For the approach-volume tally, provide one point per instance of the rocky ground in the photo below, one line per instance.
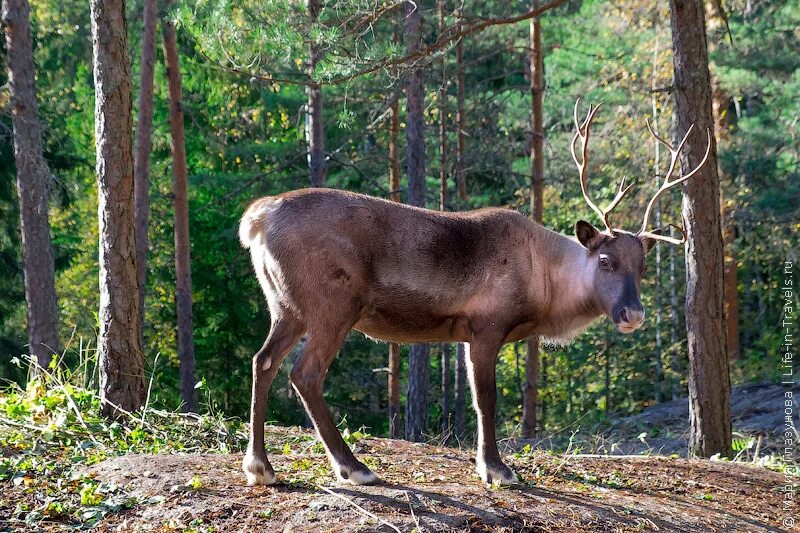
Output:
(427, 488)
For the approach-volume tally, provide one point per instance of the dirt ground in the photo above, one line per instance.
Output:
(429, 488)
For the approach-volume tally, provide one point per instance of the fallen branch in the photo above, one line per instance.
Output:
(354, 504)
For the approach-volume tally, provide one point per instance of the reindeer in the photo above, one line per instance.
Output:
(330, 261)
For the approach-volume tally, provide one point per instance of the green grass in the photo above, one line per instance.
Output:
(51, 430)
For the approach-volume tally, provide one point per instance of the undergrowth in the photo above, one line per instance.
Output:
(51, 429)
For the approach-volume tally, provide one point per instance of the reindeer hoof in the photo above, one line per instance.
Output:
(357, 476)
(257, 471)
(497, 474)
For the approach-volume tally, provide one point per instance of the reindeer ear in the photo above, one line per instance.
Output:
(649, 242)
(587, 235)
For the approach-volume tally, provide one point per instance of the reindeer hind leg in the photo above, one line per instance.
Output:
(284, 334)
(307, 377)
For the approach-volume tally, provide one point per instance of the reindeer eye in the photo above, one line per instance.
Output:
(604, 262)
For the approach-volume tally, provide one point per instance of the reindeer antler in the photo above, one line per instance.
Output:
(667, 183)
(582, 132)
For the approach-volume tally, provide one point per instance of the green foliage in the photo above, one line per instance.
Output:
(50, 431)
(244, 138)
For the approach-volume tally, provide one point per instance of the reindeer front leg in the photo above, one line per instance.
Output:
(481, 361)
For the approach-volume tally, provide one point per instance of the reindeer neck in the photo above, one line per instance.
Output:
(563, 292)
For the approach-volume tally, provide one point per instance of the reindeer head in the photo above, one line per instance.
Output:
(616, 256)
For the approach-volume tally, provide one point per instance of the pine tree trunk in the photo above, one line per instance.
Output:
(315, 136)
(183, 267)
(709, 380)
(144, 145)
(531, 389)
(120, 358)
(722, 125)
(33, 176)
(442, 96)
(659, 368)
(460, 390)
(395, 423)
(446, 394)
(419, 355)
(461, 185)
(731, 281)
(674, 323)
(461, 178)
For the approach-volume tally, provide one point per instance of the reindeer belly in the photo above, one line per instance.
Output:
(398, 315)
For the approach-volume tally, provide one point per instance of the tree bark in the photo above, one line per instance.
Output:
(461, 179)
(395, 423)
(442, 119)
(315, 136)
(144, 145)
(33, 176)
(460, 389)
(659, 368)
(531, 389)
(709, 380)
(446, 393)
(119, 347)
(183, 266)
(419, 355)
(722, 125)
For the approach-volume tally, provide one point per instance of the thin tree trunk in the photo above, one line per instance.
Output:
(144, 145)
(446, 352)
(659, 368)
(460, 390)
(731, 291)
(709, 380)
(33, 176)
(674, 325)
(531, 391)
(395, 424)
(315, 136)
(722, 125)
(446, 393)
(183, 268)
(542, 401)
(461, 178)
(607, 378)
(120, 358)
(419, 355)
(442, 119)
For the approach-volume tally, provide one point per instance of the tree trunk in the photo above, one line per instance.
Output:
(33, 176)
(446, 394)
(183, 268)
(460, 389)
(419, 355)
(731, 291)
(659, 368)
(315, 136)
(531, 390)
(674, 324)
(442, 119)
(395, 425)
(144, 145)
(722, 125)
(118, 345)
(709, 380)
(461, 178)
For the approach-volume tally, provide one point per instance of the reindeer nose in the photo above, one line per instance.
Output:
(632, 315)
